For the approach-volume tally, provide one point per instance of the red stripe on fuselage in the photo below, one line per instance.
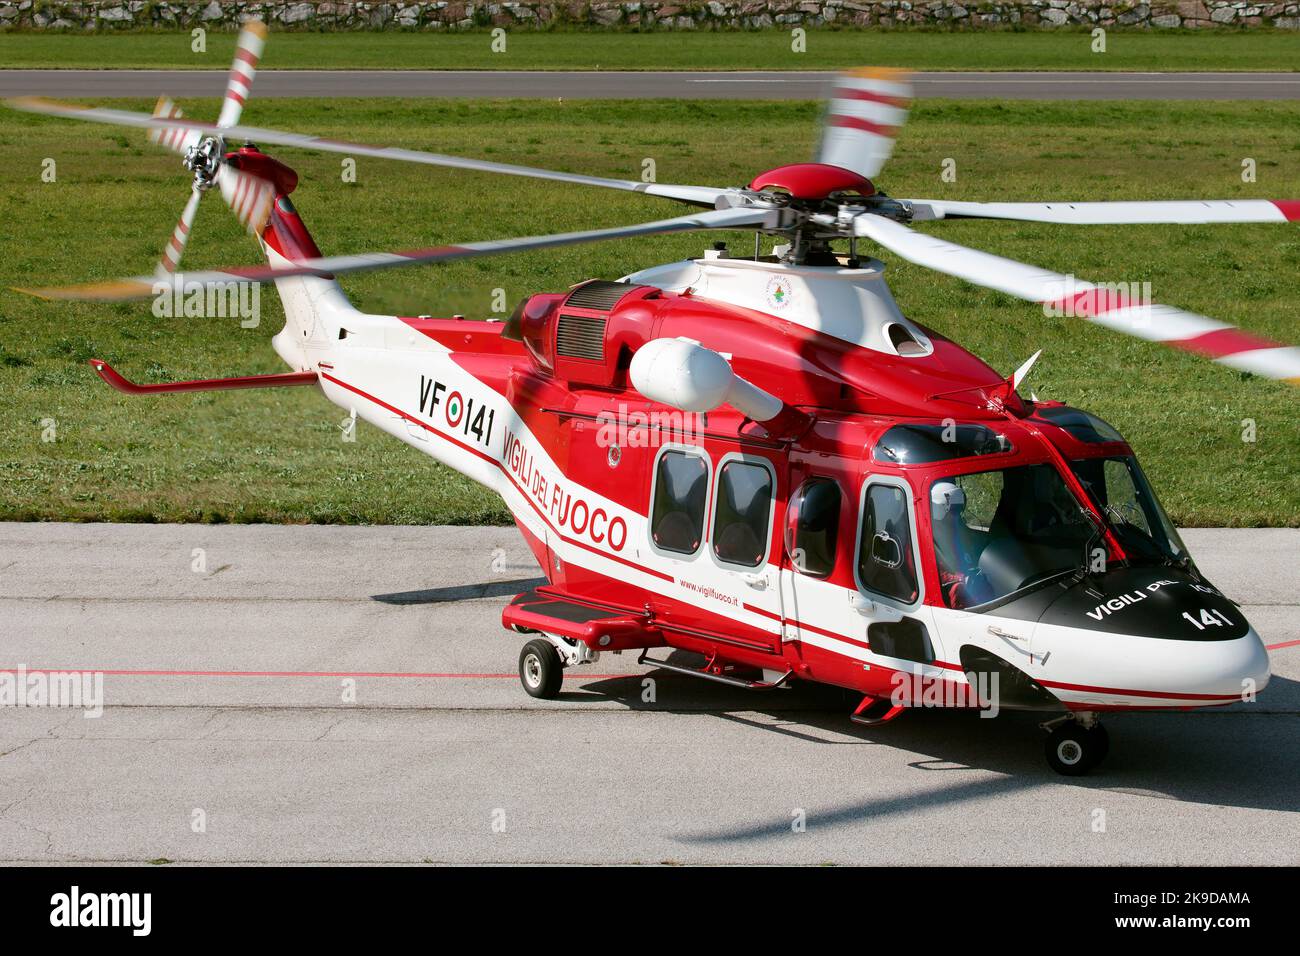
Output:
(1169, 695)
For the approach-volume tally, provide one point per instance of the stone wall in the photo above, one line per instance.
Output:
(650, 14)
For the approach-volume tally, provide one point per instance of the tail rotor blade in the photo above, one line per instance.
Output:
(248, 53)
(867, 109)
(174, 138)
(175, 248)
(1219, 341)
(249, 197)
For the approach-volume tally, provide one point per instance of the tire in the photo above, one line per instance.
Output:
(1072, 750)
(540, 670)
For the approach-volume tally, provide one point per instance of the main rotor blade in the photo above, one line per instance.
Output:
(248, 53)
(142, 287)
(1105, 305)
(867, 108)
(696, 195)
(1181, 212)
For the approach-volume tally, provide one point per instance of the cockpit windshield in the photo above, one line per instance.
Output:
(1121, 492)
(999, 532)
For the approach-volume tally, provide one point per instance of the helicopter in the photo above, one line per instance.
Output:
(760, 460)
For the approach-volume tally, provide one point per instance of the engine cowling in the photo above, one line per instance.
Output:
(577, 336)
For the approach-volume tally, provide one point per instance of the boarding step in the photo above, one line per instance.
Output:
(874, 711)
(601, 628)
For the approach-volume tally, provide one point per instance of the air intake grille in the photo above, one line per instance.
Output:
(580, 336)
(598, 294)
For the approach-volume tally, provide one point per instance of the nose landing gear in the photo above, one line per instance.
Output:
(1075, 743)
(541, 670)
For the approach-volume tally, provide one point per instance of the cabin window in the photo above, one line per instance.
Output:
(812, 526)
(920, 443)
(886, 564)
(1081, 425)
(680, 496)
(742, 514)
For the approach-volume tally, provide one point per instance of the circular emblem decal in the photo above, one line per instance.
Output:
(455, 409)
(778, 292)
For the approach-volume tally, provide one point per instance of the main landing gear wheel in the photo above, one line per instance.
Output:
(540, 669)
(1073, 750)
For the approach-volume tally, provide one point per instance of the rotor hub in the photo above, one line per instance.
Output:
(203, 159)
(814, 182)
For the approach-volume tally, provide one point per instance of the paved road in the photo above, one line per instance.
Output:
(224, 684)
(673, 85)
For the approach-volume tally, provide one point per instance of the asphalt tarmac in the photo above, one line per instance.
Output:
(646, 85)
(322, 694)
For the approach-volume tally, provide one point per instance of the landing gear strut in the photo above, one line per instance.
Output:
(1075, 744)
(543, 660)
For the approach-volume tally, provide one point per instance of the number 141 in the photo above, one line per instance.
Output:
(1208, 618)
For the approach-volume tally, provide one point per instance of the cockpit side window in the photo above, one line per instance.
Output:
(886, 564)
(999, 532)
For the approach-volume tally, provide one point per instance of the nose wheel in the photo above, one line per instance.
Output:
(540, 669)
(1074, 747)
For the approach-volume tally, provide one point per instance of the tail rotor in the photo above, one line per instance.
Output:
(248, 196)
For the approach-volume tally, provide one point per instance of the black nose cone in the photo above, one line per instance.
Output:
(1157, 602)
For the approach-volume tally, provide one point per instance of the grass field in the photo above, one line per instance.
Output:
(1141, 50)
(278, 455)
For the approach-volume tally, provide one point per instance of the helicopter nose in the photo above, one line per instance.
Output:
(1147, 671)
(1222, 669)
(1174, 640)
(1257, 669)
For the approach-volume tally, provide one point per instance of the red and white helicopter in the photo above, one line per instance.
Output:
(762, 460)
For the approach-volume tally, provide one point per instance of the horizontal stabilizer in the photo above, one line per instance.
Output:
(107, 373)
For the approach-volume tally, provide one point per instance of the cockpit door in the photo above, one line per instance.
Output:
(816, 533)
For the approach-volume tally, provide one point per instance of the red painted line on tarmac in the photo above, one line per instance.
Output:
(132, 672)
(1278, 647)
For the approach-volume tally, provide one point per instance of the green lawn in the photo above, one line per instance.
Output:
(751, 50)
(277, 455)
